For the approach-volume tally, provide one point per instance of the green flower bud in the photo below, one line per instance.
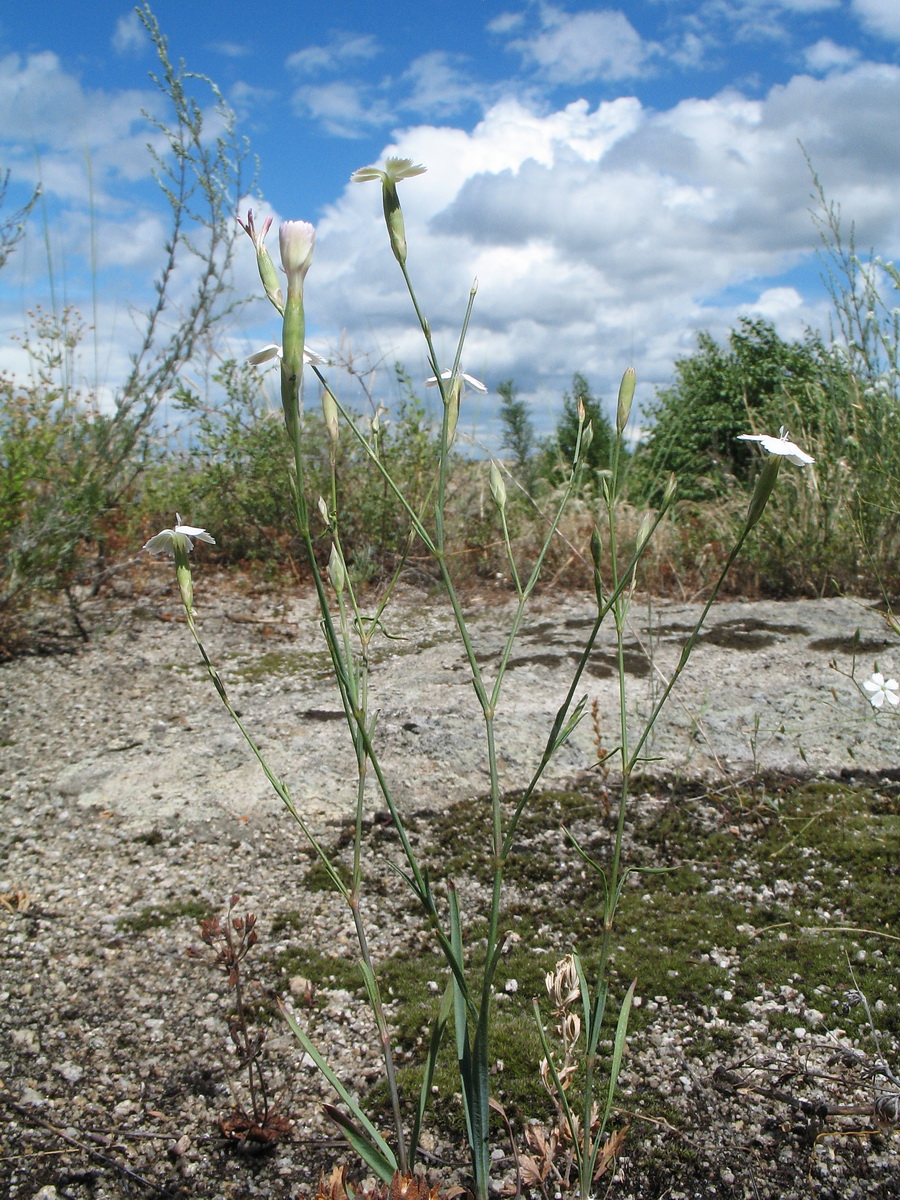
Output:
(336, 571)
(329, 408)
(596, 555)
(454, 392)
(626, 396)
(266, 267)
(763, 489)
(498, 487)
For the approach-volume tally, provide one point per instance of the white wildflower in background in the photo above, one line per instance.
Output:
(468, 381)
(780, 445)
(165, 541)
(881, 689)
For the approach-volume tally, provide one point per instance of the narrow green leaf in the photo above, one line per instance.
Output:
(619, 1048)
(367, 1152)
(378, 1144)
(437, 1035)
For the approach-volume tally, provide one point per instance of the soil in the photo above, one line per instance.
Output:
(127, 791)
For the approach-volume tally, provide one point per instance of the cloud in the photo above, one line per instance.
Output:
(826, 55)
(578, 47)
(719, 22)
(344, 108)
(606, 234)
(809, 6)
(229, 49)
(440, 86)
(44, 110)
(343, 48)
(436, 86)
(880, 16)
(130, 36)
(505, 22)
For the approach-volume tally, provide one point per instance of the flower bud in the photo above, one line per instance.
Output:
(596, 555)
(587, 437)
(266, 267)
(644, 532)
(297, 240)
(336, 571)
(626, 396)
(763, 490)
(498, 487)
(596, 548)
(329, 408)
(452, 401)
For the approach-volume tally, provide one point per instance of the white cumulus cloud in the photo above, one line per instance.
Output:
(577, 47)
(880, 16)
(606, 236)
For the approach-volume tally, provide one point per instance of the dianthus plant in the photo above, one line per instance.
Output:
(350, 630)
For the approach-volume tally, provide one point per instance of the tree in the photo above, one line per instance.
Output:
(518, 432)
(560, 451)
(717, 392)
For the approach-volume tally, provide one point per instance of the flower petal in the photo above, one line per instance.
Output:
(265, 355)
(475, 384)
(161, 543)
(779, 445)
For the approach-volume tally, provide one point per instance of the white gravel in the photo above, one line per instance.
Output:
(125, 787)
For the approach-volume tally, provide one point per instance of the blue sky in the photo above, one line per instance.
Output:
(617, 178)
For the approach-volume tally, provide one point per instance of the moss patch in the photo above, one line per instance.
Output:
(159, 916)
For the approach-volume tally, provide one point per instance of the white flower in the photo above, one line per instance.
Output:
(297, 240)
(395, 169)
(310, 359)
(468, 380)
(165, 542)
(780, 445)
(881, 689)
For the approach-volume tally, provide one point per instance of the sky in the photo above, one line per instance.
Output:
(616, 178)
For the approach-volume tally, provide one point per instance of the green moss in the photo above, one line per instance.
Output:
(322, 970)
(159, 916)
(739, 914)
(317, 878)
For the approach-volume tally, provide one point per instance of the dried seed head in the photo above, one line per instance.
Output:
(563, 983)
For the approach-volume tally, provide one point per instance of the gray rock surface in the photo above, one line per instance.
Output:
(132, 724)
